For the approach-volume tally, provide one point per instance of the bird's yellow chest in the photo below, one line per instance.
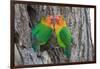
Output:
(59, 27)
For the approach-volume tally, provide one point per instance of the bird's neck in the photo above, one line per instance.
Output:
(59, 28)
(46, 23)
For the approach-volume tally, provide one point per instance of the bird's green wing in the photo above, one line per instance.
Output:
(41, 33)
(65, 36)
(36, 29)
(44, 33)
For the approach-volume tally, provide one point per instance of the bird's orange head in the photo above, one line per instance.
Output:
(48, 21)
(60, 22)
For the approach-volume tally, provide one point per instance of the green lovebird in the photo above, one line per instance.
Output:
(63, 34)
(41, 32)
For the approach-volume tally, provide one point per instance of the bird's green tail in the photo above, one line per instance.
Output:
(67, 52)
(35, 47)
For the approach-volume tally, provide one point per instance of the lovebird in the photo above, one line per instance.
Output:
(42, 32)
(63, 34)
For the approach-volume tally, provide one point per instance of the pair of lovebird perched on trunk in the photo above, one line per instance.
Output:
(42, 32)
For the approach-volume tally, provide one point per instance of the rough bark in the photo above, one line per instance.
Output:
(78, 19)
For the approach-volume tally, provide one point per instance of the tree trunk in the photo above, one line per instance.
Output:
(78, 19)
